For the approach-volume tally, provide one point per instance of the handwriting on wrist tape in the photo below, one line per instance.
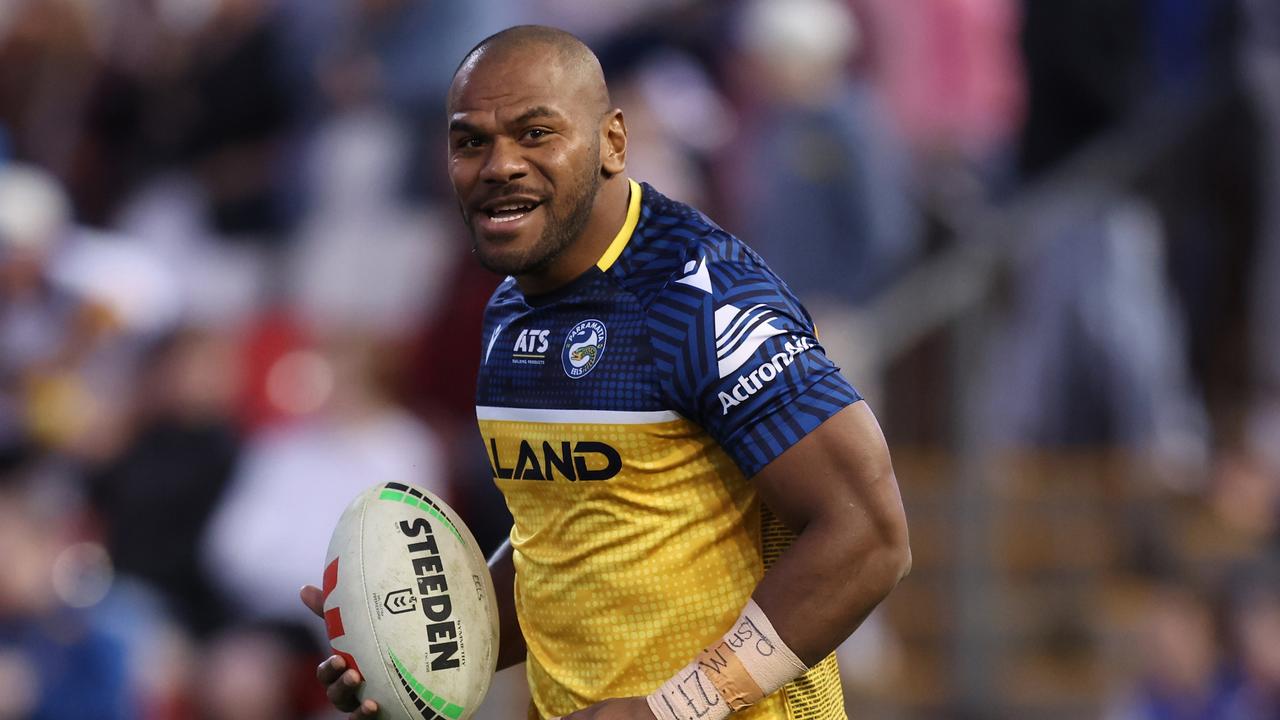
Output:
(720, 667)
(724, 667)
(718, 681)
(746, 631)
(694, 691)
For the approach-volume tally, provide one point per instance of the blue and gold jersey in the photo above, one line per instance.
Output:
(623, 415)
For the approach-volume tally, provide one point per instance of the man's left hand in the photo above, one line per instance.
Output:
(632, 708)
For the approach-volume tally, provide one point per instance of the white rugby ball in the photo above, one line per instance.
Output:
(408, 601)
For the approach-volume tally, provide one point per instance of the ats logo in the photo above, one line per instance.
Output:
(580, 461)
(531, 347)
(583, 348)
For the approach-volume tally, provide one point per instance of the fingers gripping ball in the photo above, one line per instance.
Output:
(408, 602)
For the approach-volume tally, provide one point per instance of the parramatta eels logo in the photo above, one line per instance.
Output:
(583, 348)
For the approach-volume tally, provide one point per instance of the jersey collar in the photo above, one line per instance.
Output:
(620, 240)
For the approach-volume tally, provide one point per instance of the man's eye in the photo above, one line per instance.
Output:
(470, 143)
(536, 133)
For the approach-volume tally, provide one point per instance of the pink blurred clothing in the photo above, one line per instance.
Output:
(950, 70)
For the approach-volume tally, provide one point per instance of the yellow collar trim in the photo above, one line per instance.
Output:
(620, 240)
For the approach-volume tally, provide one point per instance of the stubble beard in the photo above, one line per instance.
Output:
(558, 233)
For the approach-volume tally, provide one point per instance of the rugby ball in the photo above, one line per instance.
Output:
(408, 601)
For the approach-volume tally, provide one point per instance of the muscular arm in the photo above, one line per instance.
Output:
(511, 649)
(836, 489)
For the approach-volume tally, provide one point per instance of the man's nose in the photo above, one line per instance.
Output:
(505, 163)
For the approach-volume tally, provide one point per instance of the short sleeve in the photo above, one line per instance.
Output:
(738, 354)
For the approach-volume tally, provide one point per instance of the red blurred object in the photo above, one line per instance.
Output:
(440, 366)
(275, 335)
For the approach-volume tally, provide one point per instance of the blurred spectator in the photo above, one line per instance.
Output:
(42, 325)
(409, 50)
(360, 228)
(55, 664)
(155, 498)
(434, 377)
(345, 436)
(57, 44)
(1188, 42)
(1183, 676)
(1084, 72)
(950, 71)
(223, 284)
(604, 18)
(1262, 68)
(676, 121)
(266, 672)
(824, 194)
(418, 45)
(1256, 626)
(818, 182)
(1091, 351)
(73, 302)
(237, 115)
(196, 85)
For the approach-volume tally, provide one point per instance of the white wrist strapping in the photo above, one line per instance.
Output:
(747, 664)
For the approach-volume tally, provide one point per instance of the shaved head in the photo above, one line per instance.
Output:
(536, 154)
(546, 46)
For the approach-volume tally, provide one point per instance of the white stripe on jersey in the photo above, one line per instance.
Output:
(496, 332)
(583, 417)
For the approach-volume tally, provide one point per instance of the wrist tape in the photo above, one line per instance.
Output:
(739, 670)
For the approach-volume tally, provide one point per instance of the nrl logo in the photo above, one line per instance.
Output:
(400, 601)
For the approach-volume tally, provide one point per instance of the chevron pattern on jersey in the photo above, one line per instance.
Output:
(733, 383)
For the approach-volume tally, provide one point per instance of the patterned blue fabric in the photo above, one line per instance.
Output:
(693, 322)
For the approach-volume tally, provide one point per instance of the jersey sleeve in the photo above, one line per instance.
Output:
(739, 355)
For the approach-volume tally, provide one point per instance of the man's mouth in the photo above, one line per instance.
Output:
(509, 212)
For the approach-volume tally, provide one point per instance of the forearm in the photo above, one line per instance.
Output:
(834, 574)
(511, 649)
(836, 490)
(815, 596)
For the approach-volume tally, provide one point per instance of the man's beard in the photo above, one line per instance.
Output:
(558, 232)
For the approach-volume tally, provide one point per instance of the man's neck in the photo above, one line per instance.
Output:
(608, 214)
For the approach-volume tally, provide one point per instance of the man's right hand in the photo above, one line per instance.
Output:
(340, 682)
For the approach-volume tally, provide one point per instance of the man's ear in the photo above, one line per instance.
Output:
(613, 146)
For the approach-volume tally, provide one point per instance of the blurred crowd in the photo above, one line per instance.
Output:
(234, 289)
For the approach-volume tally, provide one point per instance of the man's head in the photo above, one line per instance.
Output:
(532, 137)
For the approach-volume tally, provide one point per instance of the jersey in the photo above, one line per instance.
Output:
(624, 414)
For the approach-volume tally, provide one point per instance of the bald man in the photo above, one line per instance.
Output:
(704, 508)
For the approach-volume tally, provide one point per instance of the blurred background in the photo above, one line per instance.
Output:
(1041, 236)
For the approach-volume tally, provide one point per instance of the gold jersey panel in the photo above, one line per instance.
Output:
(637, 542)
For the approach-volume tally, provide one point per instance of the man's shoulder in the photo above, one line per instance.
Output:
(677, 248)
(506, 298)
(506, 292)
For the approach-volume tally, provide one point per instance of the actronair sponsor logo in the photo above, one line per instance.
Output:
(739, 333)
(753, 382)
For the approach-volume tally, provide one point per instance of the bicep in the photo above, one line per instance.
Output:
(841, 471)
